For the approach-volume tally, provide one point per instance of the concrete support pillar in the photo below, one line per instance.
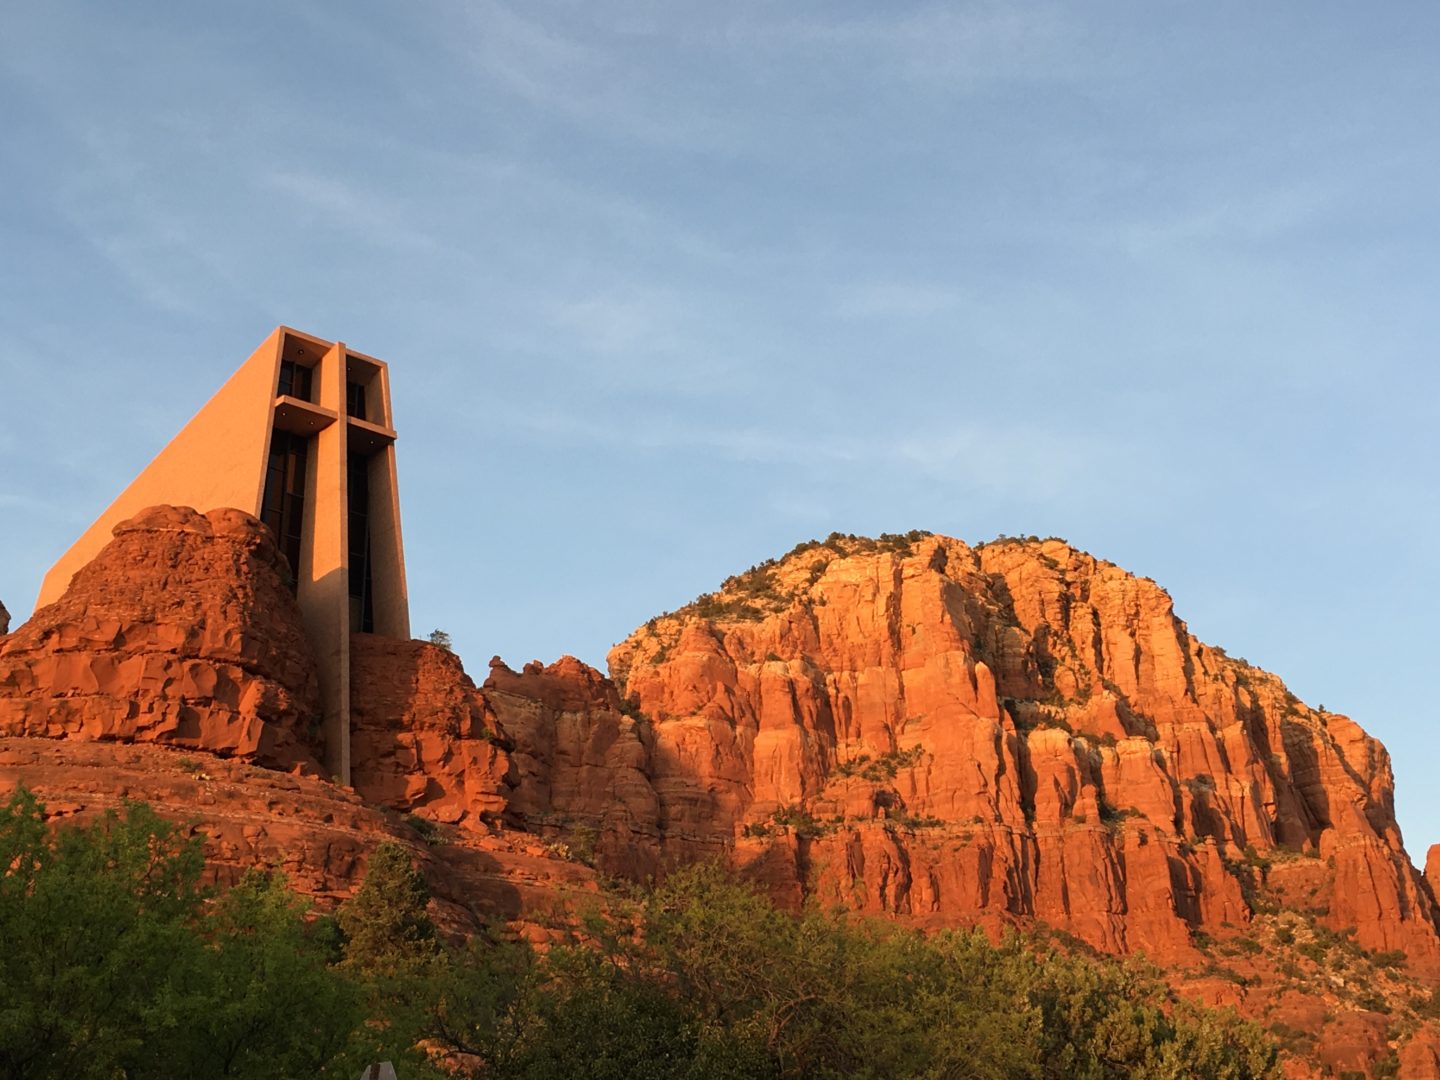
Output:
(324, 586)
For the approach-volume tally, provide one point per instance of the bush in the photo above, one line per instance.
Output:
(117, 965)
(886, 767)
(386, 923)
(425, 829)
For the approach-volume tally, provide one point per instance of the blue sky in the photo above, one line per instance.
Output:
(668, 287)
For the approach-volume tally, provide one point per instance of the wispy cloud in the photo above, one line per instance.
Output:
(586, 82)
(636, 335)
(117, 198)
(1254, 216)
(620, 325)
(1012, 459)
(888, 299)
(10, 500)
(368, 213)
(942, 44)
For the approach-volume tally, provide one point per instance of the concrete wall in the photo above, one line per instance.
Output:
(217, 459)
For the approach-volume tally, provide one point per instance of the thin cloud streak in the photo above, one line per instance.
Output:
(1014, 459)
(586, 83)
(943, 46)
(376, 218)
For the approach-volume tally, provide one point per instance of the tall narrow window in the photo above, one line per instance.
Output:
(283, 506)
(295, 380)
(362, 585)
(355, 400)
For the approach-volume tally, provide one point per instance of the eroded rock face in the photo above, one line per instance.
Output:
(545, 750)
(181, 631)
(4, 621)
(1420, 1057)
(420, 739)
(953, 734)
(581, 767)
(939, 733)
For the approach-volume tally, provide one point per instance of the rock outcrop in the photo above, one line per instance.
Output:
(1010, 734)
(1420, 1057)
(420, 738)
(581, 766)
(4, 621)
(175, 671)
(182, 632)
(315, 833)
(1018, 730)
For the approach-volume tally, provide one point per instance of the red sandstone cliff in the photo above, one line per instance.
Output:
(943, 734)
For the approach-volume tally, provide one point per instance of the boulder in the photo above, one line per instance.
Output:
(181, 631)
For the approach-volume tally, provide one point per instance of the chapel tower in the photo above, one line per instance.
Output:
(302, 436)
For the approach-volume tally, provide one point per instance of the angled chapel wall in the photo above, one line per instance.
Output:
(221, 459)
(217, 459)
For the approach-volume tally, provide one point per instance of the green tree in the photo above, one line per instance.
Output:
(1103, 1019)
(97, 925)
(387, 923)
(116, 964)
(828, 999)
(263, 1000)
(393, 952)
(589, 1018)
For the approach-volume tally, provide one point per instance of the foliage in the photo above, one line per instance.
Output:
(386, 923)
(713, 606)
(798, 819)
(425, 829)
(1114, 816)
(706, 978)
(118, 965)
(886, 767)
(630, 706)
(442, 639)
(263, 1000)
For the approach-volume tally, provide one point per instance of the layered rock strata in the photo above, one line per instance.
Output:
(421, 735)
(581, 766)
